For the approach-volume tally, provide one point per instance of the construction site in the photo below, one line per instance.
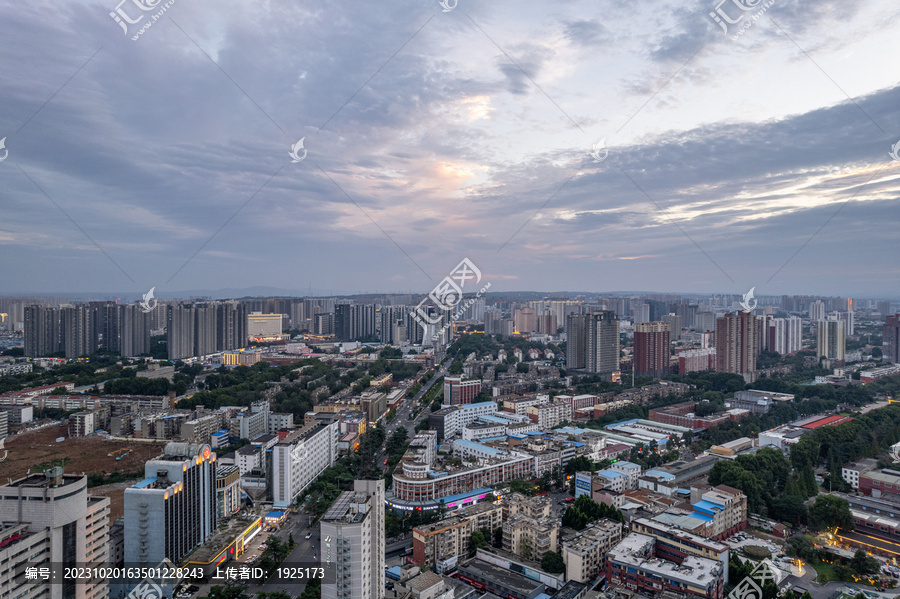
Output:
(119, 462)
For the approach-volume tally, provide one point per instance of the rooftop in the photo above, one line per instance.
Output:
(636, 551)
(506, 578)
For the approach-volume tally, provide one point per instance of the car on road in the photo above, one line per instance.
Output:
(308, 535)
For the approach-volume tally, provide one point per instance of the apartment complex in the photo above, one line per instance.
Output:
(651, 348)
(301, 457)
(438, 544)
(584, 554)
(352, 542)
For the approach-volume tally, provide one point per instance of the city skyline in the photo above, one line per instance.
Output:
(624, 144)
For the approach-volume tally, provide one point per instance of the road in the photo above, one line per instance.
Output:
(403, 412)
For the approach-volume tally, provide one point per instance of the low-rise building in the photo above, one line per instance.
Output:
(228, 491)
(531, 538)
(549, 415)
(758, 402)
(635, 563)
(584, 553)
(850, 473)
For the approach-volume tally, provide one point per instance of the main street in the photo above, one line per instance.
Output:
(401, 418)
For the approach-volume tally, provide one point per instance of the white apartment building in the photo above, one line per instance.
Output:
(546, 416)
(352, 542)
(631, 470)
(301, 457)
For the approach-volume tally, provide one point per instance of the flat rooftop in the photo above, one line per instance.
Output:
(44, 482)
(510, 580)
(636, 551)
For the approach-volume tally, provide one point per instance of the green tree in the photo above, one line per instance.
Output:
(829, 511)
(477, 541)
(553, 563)
(863, 564)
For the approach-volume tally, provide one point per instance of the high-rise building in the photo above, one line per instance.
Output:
(180, 331)
(231, 326)
(526, 320)
(352, 542)
(354, 321)
(831, 341)
(49, 518)
(576, 341)
(891, 338)
(324, 324)
(490, 322)
(786, 335)
(173, 509)
(640, 312)
(393, 324)
(735, 343)
(41, 331)
(602, 342)
(817, 310)
(651, 348)
(884, 308)
(301, 457)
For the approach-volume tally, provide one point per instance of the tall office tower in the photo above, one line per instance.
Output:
(675, 324)
(526, 320)
(831, 341)
(884, 308)
(49, 518)
(576, 341)
(342, 321)
(640, 312)
(602, 342)
(506, 327)
(688, 314)
(352, 542)
(173, 509)
(41, 331)
(490, 322)
(817, 310)
(735, 343)
(786, 335)
(891, 338)
(651, 348)
(231, 326)
(705, 321)
(78, 337)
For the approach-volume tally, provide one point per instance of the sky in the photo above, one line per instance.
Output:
(562, 145)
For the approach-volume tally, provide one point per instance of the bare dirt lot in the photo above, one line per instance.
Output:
(38, 450)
